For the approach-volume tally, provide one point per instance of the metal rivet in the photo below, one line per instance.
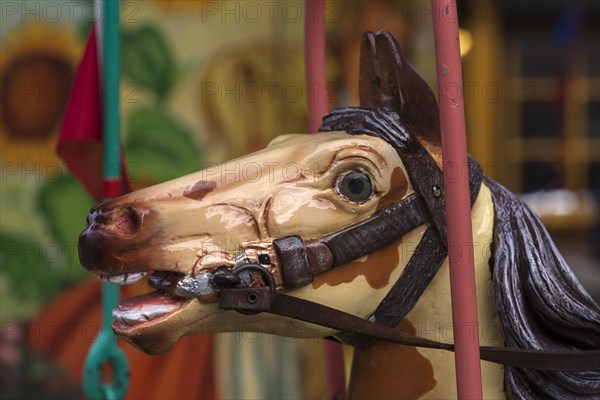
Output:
(264, 259)
(437, 191)
(252, 297)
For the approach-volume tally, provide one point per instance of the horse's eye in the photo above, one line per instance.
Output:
(356, 186)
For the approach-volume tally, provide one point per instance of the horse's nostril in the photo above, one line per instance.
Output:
(125, 221)
(121, 221)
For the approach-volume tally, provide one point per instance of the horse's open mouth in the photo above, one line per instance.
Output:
(174, 292)
(146, 310)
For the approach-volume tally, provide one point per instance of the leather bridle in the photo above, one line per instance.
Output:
(292, 262)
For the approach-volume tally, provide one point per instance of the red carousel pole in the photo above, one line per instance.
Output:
(314, 56)
(458, 210)
(314, 60)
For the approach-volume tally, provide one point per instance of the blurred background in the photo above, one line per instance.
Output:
(206, 81)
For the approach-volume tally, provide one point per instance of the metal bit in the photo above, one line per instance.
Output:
(194, 286)
(240, 258)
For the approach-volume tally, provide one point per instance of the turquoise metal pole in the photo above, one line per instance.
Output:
(112, 73)
(105, 350)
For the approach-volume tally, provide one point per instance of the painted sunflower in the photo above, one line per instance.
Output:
(37, 68)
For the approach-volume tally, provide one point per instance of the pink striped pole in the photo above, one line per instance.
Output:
(314, 56)
(458, 210)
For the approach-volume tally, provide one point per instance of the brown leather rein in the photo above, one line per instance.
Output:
(294, 262)
(265, 299)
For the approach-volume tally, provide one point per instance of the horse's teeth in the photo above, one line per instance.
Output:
(134, 277)
(123, 279)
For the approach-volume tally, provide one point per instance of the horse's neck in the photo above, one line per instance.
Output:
(391, 371)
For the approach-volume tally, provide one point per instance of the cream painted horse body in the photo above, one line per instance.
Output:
(302, 185)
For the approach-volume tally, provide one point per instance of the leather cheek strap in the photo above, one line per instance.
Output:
(301, 260)
(403, 296)
(427, 257)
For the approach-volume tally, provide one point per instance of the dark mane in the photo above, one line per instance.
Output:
(540, 303)
(383, 123)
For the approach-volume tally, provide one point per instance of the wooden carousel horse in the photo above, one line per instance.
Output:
(343, 234)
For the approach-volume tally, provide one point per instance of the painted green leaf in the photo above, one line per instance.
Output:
(30, 272)
(147, 59)
(33, 272)
(159, 147)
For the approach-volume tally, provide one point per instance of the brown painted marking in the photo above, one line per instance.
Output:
(390, 371)
(435, 151)
(398, 188)
(200, 189)
(376, 269)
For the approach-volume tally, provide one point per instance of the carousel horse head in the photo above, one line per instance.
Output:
(352, 218)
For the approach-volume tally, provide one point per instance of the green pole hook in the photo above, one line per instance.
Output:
(105, 351)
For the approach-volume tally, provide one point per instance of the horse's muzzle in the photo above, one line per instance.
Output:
(112, 232)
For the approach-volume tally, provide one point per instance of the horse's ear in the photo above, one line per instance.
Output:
(388, 80)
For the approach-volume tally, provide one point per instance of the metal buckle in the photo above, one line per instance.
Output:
(246, 300)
